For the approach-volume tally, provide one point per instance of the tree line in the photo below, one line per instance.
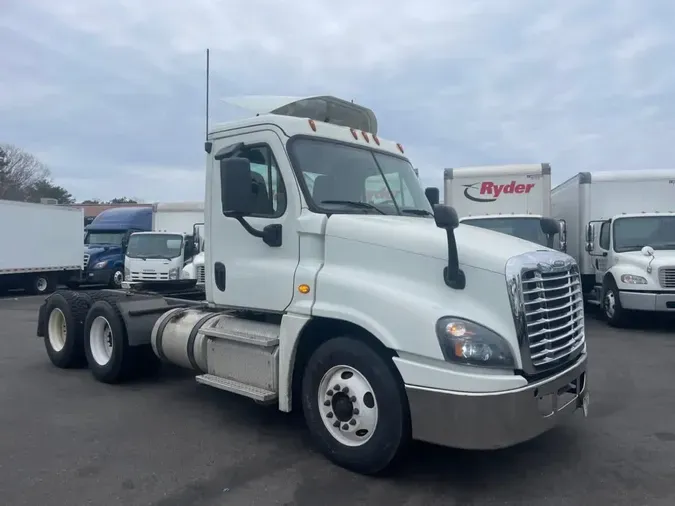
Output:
(24, 178)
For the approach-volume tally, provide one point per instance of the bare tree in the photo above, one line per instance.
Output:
(19, 172)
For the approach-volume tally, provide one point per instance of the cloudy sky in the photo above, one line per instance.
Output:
(110, 94)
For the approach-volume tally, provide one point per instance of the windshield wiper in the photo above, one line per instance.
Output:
(363, 205)
(416, 212)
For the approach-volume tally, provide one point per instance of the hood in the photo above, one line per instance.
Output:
(477, 247)
(662, 258)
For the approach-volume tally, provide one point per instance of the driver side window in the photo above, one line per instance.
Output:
(604, 236)
(267, 185)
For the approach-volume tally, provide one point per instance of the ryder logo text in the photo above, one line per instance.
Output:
(487, 191)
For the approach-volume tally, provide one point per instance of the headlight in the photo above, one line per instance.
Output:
(631, 279)
(466, 342)
(100, 265)
(173, 273)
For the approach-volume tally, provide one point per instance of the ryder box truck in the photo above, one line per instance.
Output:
(512, 199)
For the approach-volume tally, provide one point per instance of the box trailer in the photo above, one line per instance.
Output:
(621, 232)
(42, 245)
(512, 199)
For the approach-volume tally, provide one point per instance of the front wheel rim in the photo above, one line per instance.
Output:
(348, 406)
(57, 329)
(118, 277)
(101, 340)
(41, 284)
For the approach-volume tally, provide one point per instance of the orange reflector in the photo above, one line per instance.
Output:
(354, 134)
(377, 141)
(400, 148)
(303, 288)
(365, 136)
(312, 125)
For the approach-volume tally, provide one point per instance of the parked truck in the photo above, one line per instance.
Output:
(105, 242)
(381, 322)
(42, 246)
(621, 231)
(162, 254)
(512, 199)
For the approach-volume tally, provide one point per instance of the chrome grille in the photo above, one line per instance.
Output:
(201, 274)
(149, 275)
(547, 301)
(667, 277)
(86, 260)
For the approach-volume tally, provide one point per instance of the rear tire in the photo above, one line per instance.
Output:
(106, 345)
(41, 284)
(355, 406)
(62, 327)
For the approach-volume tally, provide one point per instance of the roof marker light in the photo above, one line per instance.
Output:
(400, 147)
(376, 139)
(312, 124)
(365, 136)
(354, 134)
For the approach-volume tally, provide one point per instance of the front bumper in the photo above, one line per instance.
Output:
(647, 301)
(96, 276)
(486, 421)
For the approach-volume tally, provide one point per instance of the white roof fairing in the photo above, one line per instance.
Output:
(325, 108)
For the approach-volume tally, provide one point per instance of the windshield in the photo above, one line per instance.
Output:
(528, 229)
(343, 178)
(155, 246)
(108, 237)
(633, 234)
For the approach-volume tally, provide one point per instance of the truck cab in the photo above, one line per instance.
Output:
(633, 256)
(105, 242)
(380, 317)
(158, 256)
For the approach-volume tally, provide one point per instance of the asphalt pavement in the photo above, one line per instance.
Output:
(66, 440)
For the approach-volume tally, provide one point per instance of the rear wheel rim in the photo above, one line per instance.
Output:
(41, 284)
(57, 329)
(101, 342)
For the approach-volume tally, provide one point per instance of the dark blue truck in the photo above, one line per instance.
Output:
(106, 240)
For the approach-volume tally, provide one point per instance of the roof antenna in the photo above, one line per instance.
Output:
(207, 144)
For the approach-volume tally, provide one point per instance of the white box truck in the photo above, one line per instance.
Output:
(512, 199)
(621, 232)
(162, 254)
(42, 246)
(380, 322)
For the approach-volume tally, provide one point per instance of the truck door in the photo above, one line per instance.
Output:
(598, 248)
(244, 271)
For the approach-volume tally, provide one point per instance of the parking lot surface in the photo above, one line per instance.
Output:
(66, 440)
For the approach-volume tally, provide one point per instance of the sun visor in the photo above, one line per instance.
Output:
(324, 108)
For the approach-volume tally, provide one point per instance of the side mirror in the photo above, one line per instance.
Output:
(590, 237)
(647, 251)
(549, 226)
(433, 195)
(236, 194)
(447, 219)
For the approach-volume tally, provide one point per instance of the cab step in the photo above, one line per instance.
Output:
(235, 387)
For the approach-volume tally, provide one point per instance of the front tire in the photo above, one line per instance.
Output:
(106, 346)
(611, 305)
(355, 406)
(116, 279)
(41, 284)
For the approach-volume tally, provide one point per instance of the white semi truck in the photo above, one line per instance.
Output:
(381, 322)
(41, 247)
(176, 237)
(512, 199)
(621, 232)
